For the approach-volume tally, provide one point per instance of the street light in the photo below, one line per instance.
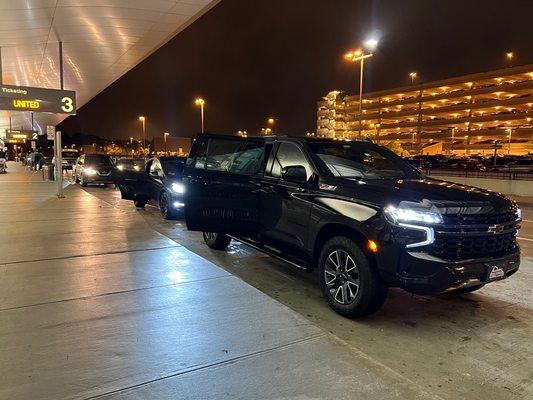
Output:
(510, 56)
(413, 75)
(271, 121)
(360, 55)
(201, 103)
(143, 122)
(165, 139)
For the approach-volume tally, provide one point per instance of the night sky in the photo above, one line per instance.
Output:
(252, 59)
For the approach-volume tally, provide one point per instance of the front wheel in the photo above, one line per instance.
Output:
(468, 289)
(165, 206)
(217, 241)
(352, 287)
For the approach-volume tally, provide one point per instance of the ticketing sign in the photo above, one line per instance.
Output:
(20, 135)
(25, 98)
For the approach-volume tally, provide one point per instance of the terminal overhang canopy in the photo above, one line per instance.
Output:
(102, 40)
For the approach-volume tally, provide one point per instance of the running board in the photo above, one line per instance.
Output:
(271, 253)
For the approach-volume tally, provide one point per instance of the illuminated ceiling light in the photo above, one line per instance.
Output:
(509, 55)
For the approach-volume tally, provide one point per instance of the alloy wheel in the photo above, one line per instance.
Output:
(211, 236)
(341, 276)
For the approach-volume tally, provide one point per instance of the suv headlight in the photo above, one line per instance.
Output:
(178, 188)
(90, 171)
(518, 214)
(411, 215)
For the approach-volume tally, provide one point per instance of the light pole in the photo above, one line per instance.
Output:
(413, 75)
(453, 139)
(360, 55)
(201, 103)
(271, 121)
(165, 139)
(143, 122)
(509, 144)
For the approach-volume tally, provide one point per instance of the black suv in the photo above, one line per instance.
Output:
(364, 217)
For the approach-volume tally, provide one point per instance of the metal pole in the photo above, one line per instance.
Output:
(144, 133)
(361, 95)
(202, 116)
(59, 165)
(61, 65)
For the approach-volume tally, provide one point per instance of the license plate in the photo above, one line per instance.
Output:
(494, 272)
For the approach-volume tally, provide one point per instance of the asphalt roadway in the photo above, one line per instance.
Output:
(101, 300)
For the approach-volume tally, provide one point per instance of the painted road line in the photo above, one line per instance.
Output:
(527, 220)
(521, 238)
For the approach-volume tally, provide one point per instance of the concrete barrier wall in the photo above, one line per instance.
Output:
(512, 187)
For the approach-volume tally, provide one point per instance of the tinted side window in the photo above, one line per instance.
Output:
(220, 154)
(200, 157)
(289, 155)
(249, 158)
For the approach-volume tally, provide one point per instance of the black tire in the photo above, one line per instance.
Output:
(217, 241)
(165, 207)
(139, 203)
(468, 289)
(363, 291)
(83, 181)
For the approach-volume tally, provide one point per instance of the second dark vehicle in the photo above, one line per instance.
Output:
(94, 169)
(159, 181)
(362, 216)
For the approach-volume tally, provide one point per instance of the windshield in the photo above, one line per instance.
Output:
(99, 159)
(173, 167)
(69, 154)
(361, 160)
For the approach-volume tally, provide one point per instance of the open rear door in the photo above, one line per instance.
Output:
(221, 194)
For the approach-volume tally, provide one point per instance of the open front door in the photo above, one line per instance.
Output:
(222, 185)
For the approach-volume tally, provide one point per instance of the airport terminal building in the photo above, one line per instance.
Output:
(470, 114)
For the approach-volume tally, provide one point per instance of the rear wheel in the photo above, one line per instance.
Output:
(351, 285)
(217, 241)
(139, 203)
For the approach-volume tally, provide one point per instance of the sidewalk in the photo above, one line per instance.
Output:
(96, 304)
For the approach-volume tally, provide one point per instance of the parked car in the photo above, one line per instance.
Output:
(130, 164)
(463, 164)
(159, 181)
(518, 165)
(361, 215)
(94, 169)
(427, 161)
(68, 158)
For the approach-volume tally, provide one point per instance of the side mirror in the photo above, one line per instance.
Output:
(295, 174)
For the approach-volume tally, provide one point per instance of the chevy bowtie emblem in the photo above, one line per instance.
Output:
(495, 228)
